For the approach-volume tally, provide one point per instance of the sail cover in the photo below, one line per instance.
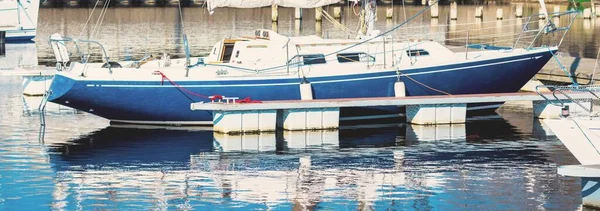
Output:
(212, 4)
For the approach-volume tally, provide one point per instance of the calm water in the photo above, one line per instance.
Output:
(78, 162)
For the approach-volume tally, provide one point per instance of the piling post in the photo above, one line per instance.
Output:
(424, 2)
(298, 13)
(297, 26)
(2, 43)
(318, 14)
(541, 14)
(499, 14)
(434, 10)
(274, 13)
(556, 8)
(519, 11)
(593, 7)
(587, 13)
(337, 12)
(597, 11)
(389, 13)
(478, 12)
(453, 11)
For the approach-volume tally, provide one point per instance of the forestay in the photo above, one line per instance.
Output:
(212, 4)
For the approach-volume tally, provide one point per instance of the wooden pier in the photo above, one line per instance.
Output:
(321, 114)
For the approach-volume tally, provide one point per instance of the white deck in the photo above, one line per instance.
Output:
(380, 101)
(580, 170)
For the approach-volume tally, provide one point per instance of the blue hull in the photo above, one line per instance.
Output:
(20, 39)
(151, 101)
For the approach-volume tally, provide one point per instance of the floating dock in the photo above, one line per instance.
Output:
(231, 117)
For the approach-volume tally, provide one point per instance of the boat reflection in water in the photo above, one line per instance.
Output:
(357, 168)
(19, 55)
(31, 106)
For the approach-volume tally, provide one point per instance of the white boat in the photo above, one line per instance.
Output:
(20, 18)
(580, 133)
(270, 66)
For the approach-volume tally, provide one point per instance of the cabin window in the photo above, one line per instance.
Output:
(227, 52)
(354, 57)
(313, 59)
(417, 52)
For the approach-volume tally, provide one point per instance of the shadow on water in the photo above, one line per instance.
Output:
(118, 147)
(479, 141)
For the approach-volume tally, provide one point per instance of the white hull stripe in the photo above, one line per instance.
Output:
(318, 82)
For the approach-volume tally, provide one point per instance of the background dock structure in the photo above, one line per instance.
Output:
(323, 114)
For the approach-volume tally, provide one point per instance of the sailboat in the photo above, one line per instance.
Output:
(270, 66)
(20, 18)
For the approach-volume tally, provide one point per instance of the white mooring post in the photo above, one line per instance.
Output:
(389, 13)
(541, 14)
(519, 11)
(453, 11)
(597, 11)
(435, 12)
(499, 14)
(298, 13)
(274, 13)
(318, 13)
(556, 8)
(478, 12)
(337, 12)
(587, 13)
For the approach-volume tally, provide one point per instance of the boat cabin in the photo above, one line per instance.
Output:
(267, 48)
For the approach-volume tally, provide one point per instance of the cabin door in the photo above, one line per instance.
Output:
(227, 50)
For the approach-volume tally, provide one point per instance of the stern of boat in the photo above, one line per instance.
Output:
(60, 86)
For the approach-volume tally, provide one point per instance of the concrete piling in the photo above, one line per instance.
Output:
(297, 26)
(389, 13)
(499, 14)
(434, 11)
(453, 11)
(298, 13)
(319, 14)
(337, 12)
(519, 11)
(478, 12)
(541, 14)
(274, 13)
(587, 13)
